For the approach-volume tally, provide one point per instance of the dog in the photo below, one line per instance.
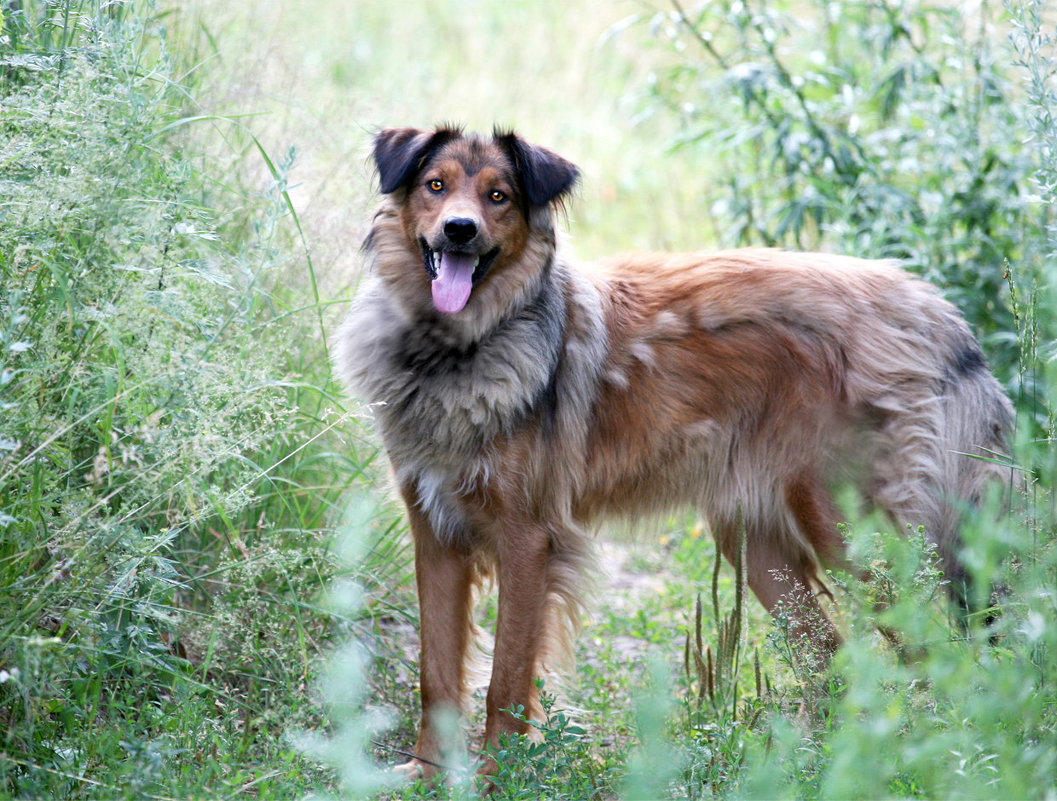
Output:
(521, 399)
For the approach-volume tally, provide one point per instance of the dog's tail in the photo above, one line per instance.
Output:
(953, 445)
(945, 450)
(974, 445)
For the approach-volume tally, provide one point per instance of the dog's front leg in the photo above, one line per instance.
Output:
(444, 575)
(524, 555)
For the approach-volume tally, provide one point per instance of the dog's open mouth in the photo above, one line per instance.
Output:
(454, 274)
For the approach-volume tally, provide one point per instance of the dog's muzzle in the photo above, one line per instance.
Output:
(454, 269)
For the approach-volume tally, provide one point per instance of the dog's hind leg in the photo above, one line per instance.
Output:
(445, 576)
(818, 519)
(782, 574)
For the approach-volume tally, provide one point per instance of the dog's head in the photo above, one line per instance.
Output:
(468, 203)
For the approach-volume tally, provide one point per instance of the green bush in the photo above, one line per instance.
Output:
(165, 469)
(884, 130)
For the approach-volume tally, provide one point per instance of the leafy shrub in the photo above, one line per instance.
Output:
(145, 371)
(559, 764)
(885, 130)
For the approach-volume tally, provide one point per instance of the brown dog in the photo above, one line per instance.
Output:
(520, 399)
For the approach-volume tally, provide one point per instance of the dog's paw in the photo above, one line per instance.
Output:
(413, 770)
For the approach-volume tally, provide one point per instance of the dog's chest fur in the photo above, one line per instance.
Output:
(446, 406)
(442, 401)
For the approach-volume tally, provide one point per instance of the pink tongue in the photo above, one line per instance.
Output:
(451, 287)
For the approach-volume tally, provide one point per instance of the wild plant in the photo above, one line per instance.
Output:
(143, 380)
(719, 715)
(555, 760)
(897, 132)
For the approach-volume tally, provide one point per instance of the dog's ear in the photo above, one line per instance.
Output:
(401, 153)
(544, 175)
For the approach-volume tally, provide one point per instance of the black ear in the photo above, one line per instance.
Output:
(544, 175)
(401, 153)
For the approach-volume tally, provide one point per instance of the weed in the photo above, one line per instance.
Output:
(716, 725)
(897, 134)
(142, 383)
(559, 764)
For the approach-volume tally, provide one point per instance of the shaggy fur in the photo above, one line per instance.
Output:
(523, 403)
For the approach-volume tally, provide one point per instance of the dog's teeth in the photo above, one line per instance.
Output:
(436, 261)
(476, 261)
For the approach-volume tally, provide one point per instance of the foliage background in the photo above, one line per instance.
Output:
(185, 541)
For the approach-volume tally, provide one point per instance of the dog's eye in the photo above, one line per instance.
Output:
(497, 196)
(436, 185)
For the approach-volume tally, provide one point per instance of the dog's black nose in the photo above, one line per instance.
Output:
(460, 230)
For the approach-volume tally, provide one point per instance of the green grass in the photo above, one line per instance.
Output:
(204, 594)
(169, 467)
